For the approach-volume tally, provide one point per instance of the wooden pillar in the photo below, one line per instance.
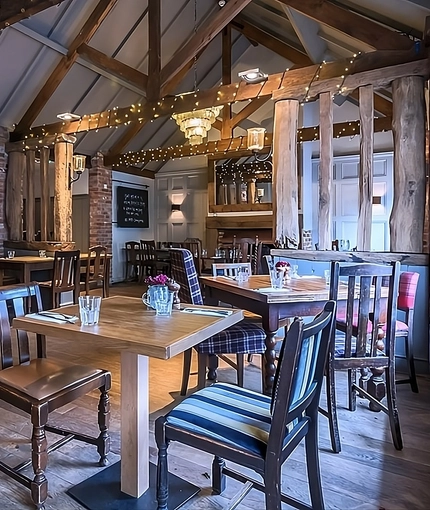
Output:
(4, 138)
(63, 149)
(30, 227)
(364, 227)
(14, 195)
(285, 186)
(44, 193)
(325, 176)
(407, 214)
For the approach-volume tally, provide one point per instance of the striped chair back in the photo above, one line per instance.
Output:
(299, 374)
(184, 272)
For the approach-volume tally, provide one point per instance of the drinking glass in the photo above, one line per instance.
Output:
(11, 254)
(89, 309)
(294, 271)
(327, 277)
(242, 274)
(42, 253)
(276, 279)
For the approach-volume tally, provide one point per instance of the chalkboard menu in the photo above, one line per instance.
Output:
(132, 207)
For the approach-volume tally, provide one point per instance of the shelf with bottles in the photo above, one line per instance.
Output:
(242, 186)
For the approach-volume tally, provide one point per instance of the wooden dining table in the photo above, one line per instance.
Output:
(26, 267)
(304, 296)
(127, 326)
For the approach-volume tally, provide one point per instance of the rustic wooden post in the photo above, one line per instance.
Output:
(364, 227)
(285, 196)
(63, 149)
(407, 214)
(30, 227)
(14, 196)
(44, 193)
(325, 176)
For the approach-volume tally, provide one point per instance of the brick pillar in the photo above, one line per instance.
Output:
(100, 193)
(4, 137)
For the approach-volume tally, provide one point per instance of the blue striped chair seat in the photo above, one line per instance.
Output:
(242, 338)
(229, 415)
(339, 346)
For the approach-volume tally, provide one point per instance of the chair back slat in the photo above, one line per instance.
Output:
(16, 301)
(194, 246)
(184, 272)
(299, 373)
(66, 275)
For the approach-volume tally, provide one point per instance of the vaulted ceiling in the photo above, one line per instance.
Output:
(91, 56)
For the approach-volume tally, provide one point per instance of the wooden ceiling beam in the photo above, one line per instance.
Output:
(202, 38)
(279, 47)
(248, 110)
(85, 34)
(114, 66)
(238, 146)
(363, 29)
(296, 79)
(226, 113)
(12, 11)
(154, 44)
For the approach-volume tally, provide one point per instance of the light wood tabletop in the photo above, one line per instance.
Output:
(126, 325)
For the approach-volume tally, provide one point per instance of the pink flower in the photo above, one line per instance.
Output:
(282, 264)
(160, 279)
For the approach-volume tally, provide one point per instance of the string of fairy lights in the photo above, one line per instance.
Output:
(228, 172)
(148, 112)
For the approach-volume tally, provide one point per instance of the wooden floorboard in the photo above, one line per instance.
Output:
(369, 474)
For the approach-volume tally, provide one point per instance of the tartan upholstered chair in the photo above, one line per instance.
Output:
(240, 339)
(408, 284)
(257, 431)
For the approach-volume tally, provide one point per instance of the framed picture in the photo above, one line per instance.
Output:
(132, 207)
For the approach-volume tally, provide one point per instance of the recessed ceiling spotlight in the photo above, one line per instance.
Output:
(253, 75)
(221, 3)
(68, 116)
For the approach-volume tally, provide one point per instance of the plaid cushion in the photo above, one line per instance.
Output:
(407, 290)
(231, 416)
(242, 338)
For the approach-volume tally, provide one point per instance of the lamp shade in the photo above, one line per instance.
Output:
(79, 163)
(256, 138)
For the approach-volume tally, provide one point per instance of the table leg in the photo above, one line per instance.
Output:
(134, 424)
(270, 326)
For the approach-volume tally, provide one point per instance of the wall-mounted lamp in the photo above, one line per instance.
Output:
(253, 75)
(256, 143)
(176, 207)
(76, 167)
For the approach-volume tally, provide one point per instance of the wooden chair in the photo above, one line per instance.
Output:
(39, 386)
(256, 431)
(97, 270)
(360, 344)
(132, 260)
(240, 339)
(65, 278)
(149, 263)
(230, 269)
(408, 284)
